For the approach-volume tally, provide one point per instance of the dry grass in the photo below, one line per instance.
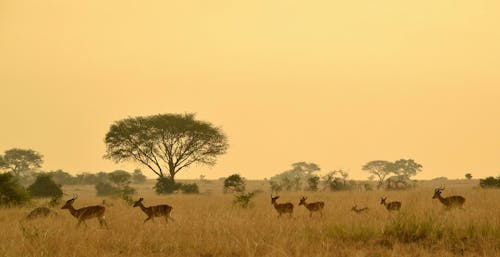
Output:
(209, 225)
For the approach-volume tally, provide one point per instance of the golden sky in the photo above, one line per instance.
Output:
(338, 83)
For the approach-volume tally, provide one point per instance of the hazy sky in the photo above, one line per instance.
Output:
(338, 83)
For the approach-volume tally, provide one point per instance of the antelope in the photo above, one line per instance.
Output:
(392, 206)
(355, 209)
(40, 212)
(85, 213)
(155, 211)
(312, 207)
(455, 201)
(282, 207)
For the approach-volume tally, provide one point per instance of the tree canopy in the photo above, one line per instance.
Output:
(401, 169)
(165, 142)
(19, 161)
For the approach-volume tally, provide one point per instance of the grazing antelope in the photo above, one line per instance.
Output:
(455, 201)
(392, 206)
(85, 213)
(282, 207)
(312, 207)
(356, 210)
(40, 212)
(155, 211)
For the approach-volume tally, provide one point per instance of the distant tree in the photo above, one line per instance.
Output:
(294, 178)
(138, 177)
(336, 180)
(234, 183)
(380, 169)
(468, 176)
(11, 192)
(169, 142)
(120, 178)
(19, 161)
(44, 186)
(406, 168)
(313, 182)
(62, 177)
(490, 182)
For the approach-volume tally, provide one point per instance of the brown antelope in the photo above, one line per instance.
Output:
(356, 210)
(392, 206)
(449, 202)
(312, 207)
(85, 213)
(281, 207)
(155, 211)
(40, 212)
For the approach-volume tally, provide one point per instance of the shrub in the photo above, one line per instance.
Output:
(490, 182)
(243, 199)
(234, 183)
(44, 186)
(166, 185)
(11, 192)
(106, 189)
(189, 188)
(138, 177)
(312, 183)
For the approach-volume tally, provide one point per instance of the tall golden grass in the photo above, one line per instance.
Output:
(209, 225)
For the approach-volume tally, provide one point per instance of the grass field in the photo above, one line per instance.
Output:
(208, 225)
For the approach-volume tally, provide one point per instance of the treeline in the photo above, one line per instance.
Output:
(85, 178)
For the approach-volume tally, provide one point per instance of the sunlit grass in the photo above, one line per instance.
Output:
(211, 225)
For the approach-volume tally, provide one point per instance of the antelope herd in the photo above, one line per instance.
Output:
(97, 211)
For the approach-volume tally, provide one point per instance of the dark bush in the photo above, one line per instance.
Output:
(166, 185)
(106, 189)
(234, 183)
(312, 183)
(11, 192)
(44, 186)
(189, 188)
(243, 199)
(490, 182)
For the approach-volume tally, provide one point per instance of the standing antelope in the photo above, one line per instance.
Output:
(282, 207)
(85, 213)
(355, 209)
(312, 207)
(155, 211)
(392, 206)
(455, 201)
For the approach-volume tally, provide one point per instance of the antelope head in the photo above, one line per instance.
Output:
(303, 201)
(138, 203)
(382, 200)
(70, 202)
(273, 199)
(437, 192)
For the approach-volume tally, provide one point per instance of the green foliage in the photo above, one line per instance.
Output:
(234, 183)
(138, 177)
(63, 178)
(173, 141)
(242, 199)
(166, 185)
(44, 186)
(313, 183)
(120, 177)
(19, 161)
(490, 182)
(336, 180)
(187, 188)
(11, 192)
(292, 180)
(106, 189)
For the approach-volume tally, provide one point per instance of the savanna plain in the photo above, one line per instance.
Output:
(210, 225)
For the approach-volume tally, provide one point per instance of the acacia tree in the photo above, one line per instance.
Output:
(380, 169)
(165, 142)
(19, 161)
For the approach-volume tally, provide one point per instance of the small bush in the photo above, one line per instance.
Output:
(243, 199)
(44, 186)
(166, 185)
(490, 182)
(11, 192)
(106, 189)
(234, 183)
(189, 188)
(312, 183)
